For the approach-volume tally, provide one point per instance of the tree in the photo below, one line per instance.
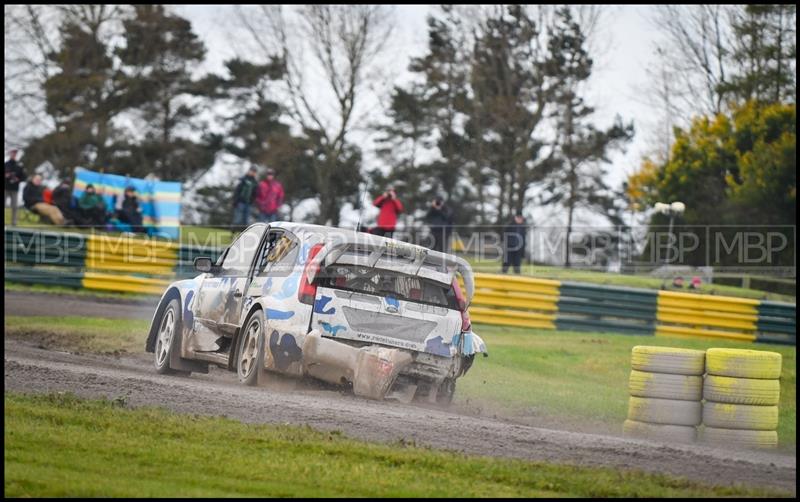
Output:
(158, 59)
(346, 42)
(764, 52)
(511, 92)
(731, 169)
(580, 181)
(59, 89)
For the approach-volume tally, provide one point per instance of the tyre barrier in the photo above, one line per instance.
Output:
(666, 389)
(741, 391)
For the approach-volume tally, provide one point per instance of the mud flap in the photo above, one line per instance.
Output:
(176, 362)
(372, 370)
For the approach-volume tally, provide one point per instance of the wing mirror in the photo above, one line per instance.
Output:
(203, 264)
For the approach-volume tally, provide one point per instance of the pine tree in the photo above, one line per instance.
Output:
(765, 53)
(580, 180)
(82, 98)
(159, 57)
(511, 93)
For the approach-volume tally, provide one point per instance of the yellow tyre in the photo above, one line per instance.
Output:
(668, 360)
(739, 437)
(731, 390)
(665, 386)
(743, 363)
(740, 416)
(659, 432)
(664, 411)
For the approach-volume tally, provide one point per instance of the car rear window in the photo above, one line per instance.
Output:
(381, 282)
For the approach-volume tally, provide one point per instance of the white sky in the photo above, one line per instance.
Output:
(625, 43)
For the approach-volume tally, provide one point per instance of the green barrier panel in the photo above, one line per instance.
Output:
(570, 307)
(610, 293)
(777, 323)
(32, 275)
(44, 248)
(606, 308)
(645, 329)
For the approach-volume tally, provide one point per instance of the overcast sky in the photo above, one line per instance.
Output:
(615, 87)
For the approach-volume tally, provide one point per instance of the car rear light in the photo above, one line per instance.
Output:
(466, 324)
(308, 291)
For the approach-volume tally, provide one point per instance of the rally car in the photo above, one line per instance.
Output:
(385, 318)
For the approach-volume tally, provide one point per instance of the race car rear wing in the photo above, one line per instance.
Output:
(396, 256)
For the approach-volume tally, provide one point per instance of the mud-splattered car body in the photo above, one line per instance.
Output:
(385, 317)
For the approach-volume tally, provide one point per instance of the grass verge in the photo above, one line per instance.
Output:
(60, 445)
(80, 334)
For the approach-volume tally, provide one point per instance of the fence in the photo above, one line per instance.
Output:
(132, 265)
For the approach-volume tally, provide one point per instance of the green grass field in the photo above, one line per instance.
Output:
(560, 377)
(59, 445)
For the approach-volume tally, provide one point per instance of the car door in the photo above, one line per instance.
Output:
(219, 299)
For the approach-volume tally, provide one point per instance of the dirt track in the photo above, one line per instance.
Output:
(30, 369)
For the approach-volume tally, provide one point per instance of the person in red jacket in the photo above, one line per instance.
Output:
(269, 198)
(387, 219)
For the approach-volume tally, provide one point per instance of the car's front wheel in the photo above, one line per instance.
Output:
(168, 332)
(250, 363)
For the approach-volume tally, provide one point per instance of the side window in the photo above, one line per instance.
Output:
(278, 257)
(241, 253)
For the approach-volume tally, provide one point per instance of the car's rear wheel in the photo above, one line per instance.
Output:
(250, 363)
(168, 332)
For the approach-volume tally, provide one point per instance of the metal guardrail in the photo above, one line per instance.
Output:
(134, 265)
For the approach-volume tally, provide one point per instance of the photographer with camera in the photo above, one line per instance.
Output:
(390, 207)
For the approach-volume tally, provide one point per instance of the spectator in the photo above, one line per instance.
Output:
(33, 197)
(269, 198)
(92, 208)
(62, 199)
(390, 206)
(131, 212)
(440, 221)
(243, 197)
(14, 175)
(514, 239)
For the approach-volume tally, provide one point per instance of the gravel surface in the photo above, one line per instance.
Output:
(283, 401)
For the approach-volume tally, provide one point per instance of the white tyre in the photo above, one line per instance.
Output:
(731, 390)
(740, 416)
(665, 386)
(668, 360)
(739, 437)
(743, 363)
(664, 411)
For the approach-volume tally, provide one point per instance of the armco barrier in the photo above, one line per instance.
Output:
(515, 301)
(686, 314)
(135, 265)
(606, 308)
